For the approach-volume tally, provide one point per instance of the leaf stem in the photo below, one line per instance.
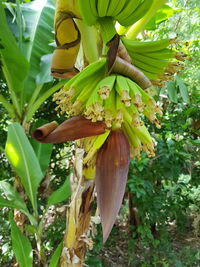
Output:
(8, 107)
(140, 24)
(35, 95)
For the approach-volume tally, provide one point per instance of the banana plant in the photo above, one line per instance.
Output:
(106, 100)
(25, 53)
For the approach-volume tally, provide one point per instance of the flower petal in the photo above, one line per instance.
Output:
(70, 130)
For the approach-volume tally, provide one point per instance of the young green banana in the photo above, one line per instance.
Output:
(97, 142)
(102, 7)
(115, 7)
(145, 66)
(165, 53)
(129, 7)
(105, 86)
(138, 13)
(94, 7)
(122, 89)
(134, 141)
(148, 60)
(86, 12)
(149, 46)
(110, 109)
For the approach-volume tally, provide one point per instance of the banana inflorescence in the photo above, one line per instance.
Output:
(108, 100)
(115, 100)
(120, 104)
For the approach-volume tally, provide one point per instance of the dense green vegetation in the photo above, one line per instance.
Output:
(160, 212)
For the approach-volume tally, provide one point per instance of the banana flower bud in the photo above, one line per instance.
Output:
(111, 176)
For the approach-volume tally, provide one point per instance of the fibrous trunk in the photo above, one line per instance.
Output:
(76, 241)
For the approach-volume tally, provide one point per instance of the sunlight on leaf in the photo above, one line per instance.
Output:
(14, 158)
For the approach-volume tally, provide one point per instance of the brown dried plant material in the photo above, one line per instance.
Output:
(70, 130)
(111, 177)
(76, 240)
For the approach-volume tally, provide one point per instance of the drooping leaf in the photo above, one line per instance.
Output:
(13, 199)
(61, 194)
(21, 245)
(56, 256)
(172, 91)
(14, 64)
(24, 161)
(12, 195)
(111, 176)
(39, 19)
(183, 89)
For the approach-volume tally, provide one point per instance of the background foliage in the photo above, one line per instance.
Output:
(164, 190)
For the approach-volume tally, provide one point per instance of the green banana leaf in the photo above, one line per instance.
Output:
(21, 245)
(61, 194)
(56, 256)
(44, 74)
(13, 200)
(43, 153)
(39, 19)
(14, 64)
(24, 161)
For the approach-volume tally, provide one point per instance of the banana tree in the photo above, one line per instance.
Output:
(106, 102)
